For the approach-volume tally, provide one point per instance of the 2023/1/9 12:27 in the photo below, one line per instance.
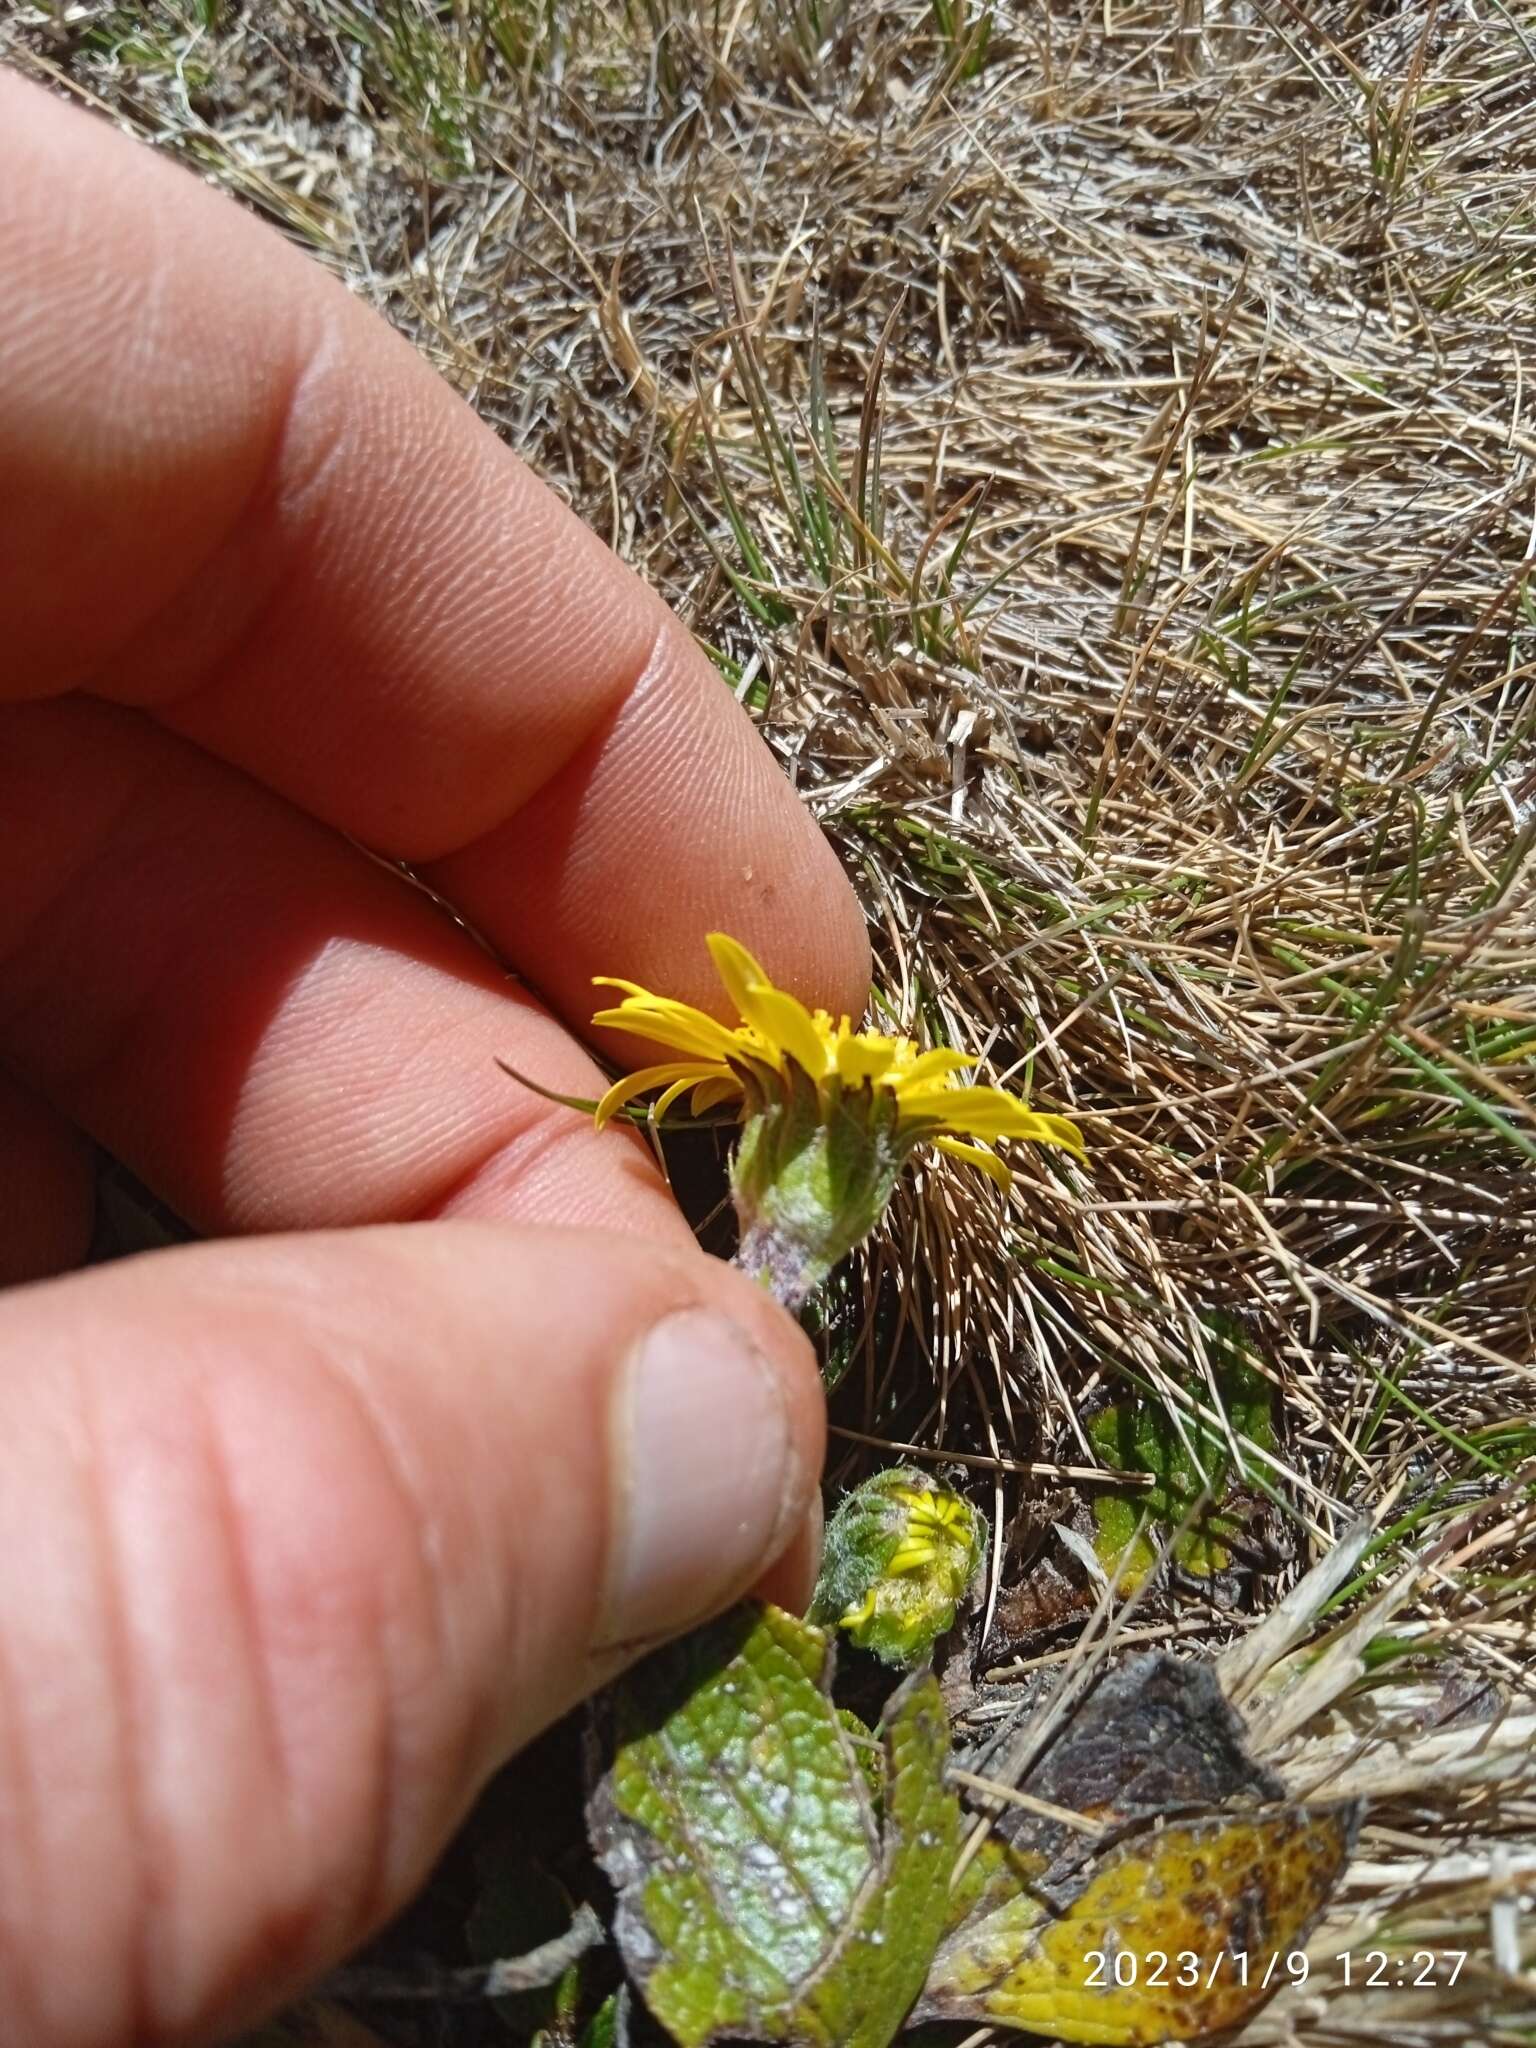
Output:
(1376, 1968)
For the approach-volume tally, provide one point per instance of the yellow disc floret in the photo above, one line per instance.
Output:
(900, 1557)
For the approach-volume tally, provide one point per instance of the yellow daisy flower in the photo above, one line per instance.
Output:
(829, 1113)
(779, 1040)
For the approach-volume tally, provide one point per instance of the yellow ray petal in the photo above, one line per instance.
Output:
(711, 1093)
(625, 1089)
(786, 1023)
(668, 1096)
(674, 1024)
(736, 968)
(1066, 1134)
(777, 1018)
(862, 1056)
(977, 1155)
(990, 1113)
(943, 1059)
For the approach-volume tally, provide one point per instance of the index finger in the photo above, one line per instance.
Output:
(304, 553)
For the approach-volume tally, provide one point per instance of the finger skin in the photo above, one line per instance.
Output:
(298, 1540)
(305, 554)
(274, 1029)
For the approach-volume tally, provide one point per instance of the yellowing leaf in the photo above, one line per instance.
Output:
(1174, 1927)
(1178, 1934)
(761, 1893)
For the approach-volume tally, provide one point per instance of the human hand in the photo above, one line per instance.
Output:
(301, 1536)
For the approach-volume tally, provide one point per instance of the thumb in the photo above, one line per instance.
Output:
(300, 1538)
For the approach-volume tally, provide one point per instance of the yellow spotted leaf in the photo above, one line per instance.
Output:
(1177, 1933)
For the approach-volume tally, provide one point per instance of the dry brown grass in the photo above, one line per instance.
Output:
(1104, 460)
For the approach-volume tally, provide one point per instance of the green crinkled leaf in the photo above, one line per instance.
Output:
(1138, 1435)
(759, 1893)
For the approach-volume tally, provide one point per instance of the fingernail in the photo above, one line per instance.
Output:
(791, 1579)
(705, 1476)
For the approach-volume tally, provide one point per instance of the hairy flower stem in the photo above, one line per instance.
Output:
(811, 1177)
(784, 1268)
